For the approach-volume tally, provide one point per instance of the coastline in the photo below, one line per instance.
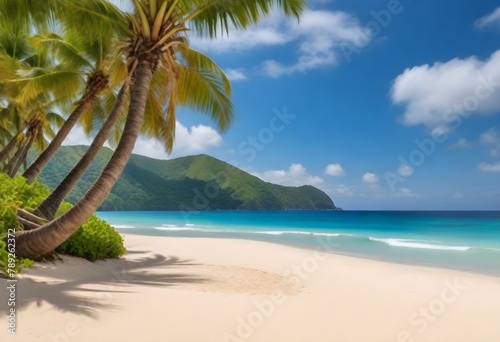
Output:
(208, 289)
(438, 239)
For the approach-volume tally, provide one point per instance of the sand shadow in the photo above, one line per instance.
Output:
(81, 291)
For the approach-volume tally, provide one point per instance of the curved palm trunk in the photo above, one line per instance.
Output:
(49, 206)
(94, 88)
(13, 161)
(8, 148)
(37, 242)
(24, 154)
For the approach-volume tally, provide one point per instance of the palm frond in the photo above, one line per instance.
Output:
(55, 119)
(211, 16)
(62, 83)
(61, 48)
(204, 91)
(198, 61)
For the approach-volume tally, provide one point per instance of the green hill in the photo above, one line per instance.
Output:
(190, 183)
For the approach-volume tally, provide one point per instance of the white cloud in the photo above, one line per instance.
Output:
(334, 170)
(370, 178)
(490, 19)
(77, 137)
(462, 143)
(194, 140)
(405, 170)
(434, 95)
(197, 139)
(270, 31)
(343, 189)
(296, 175)
(405, 192)
(491, 137)
(320, 35)
(235, 74)
(487, 167)
(150, 148)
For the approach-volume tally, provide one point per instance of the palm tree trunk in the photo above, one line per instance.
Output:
(23, 155)
(37, 242)
(49, 206)
(8, 148)
(10, 145)
(37, 166)
(96, 83)
(13, 161)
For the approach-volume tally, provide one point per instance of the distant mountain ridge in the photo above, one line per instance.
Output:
(196, 182)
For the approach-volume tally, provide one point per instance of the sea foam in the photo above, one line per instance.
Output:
(420, 244)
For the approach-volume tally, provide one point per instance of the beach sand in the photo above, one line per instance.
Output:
(187, 289)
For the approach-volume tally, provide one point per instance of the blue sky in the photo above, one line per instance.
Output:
(381, 104)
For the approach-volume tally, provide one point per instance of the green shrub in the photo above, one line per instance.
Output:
(8, 262)
(18, 191)
(96, 239)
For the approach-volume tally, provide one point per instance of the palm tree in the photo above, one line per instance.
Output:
(157, 36)
(48, 208)
(39, 125)
(97, 82)
(154, 124)
(25, 122)
(13, 138)
(90, 27)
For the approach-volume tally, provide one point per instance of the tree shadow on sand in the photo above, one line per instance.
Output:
(81, 291)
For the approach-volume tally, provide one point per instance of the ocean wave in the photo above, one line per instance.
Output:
(420, 244)
(192, 228)
(282, 232)
(122, 226)
(265, 232)
(173, 228)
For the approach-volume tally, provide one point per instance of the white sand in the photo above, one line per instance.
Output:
(180, 289)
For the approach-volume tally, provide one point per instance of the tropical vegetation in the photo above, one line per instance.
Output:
(82, 59)
(195, 183)
(95, 240)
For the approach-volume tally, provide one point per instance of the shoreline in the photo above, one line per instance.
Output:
(244, 290)
(380, 258)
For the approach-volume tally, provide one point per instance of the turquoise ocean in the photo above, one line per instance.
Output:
(460, 240)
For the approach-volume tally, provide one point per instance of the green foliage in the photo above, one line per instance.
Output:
(94, 240)
(9, 264)
(15, 193)
(19, 192)
(196, 182)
